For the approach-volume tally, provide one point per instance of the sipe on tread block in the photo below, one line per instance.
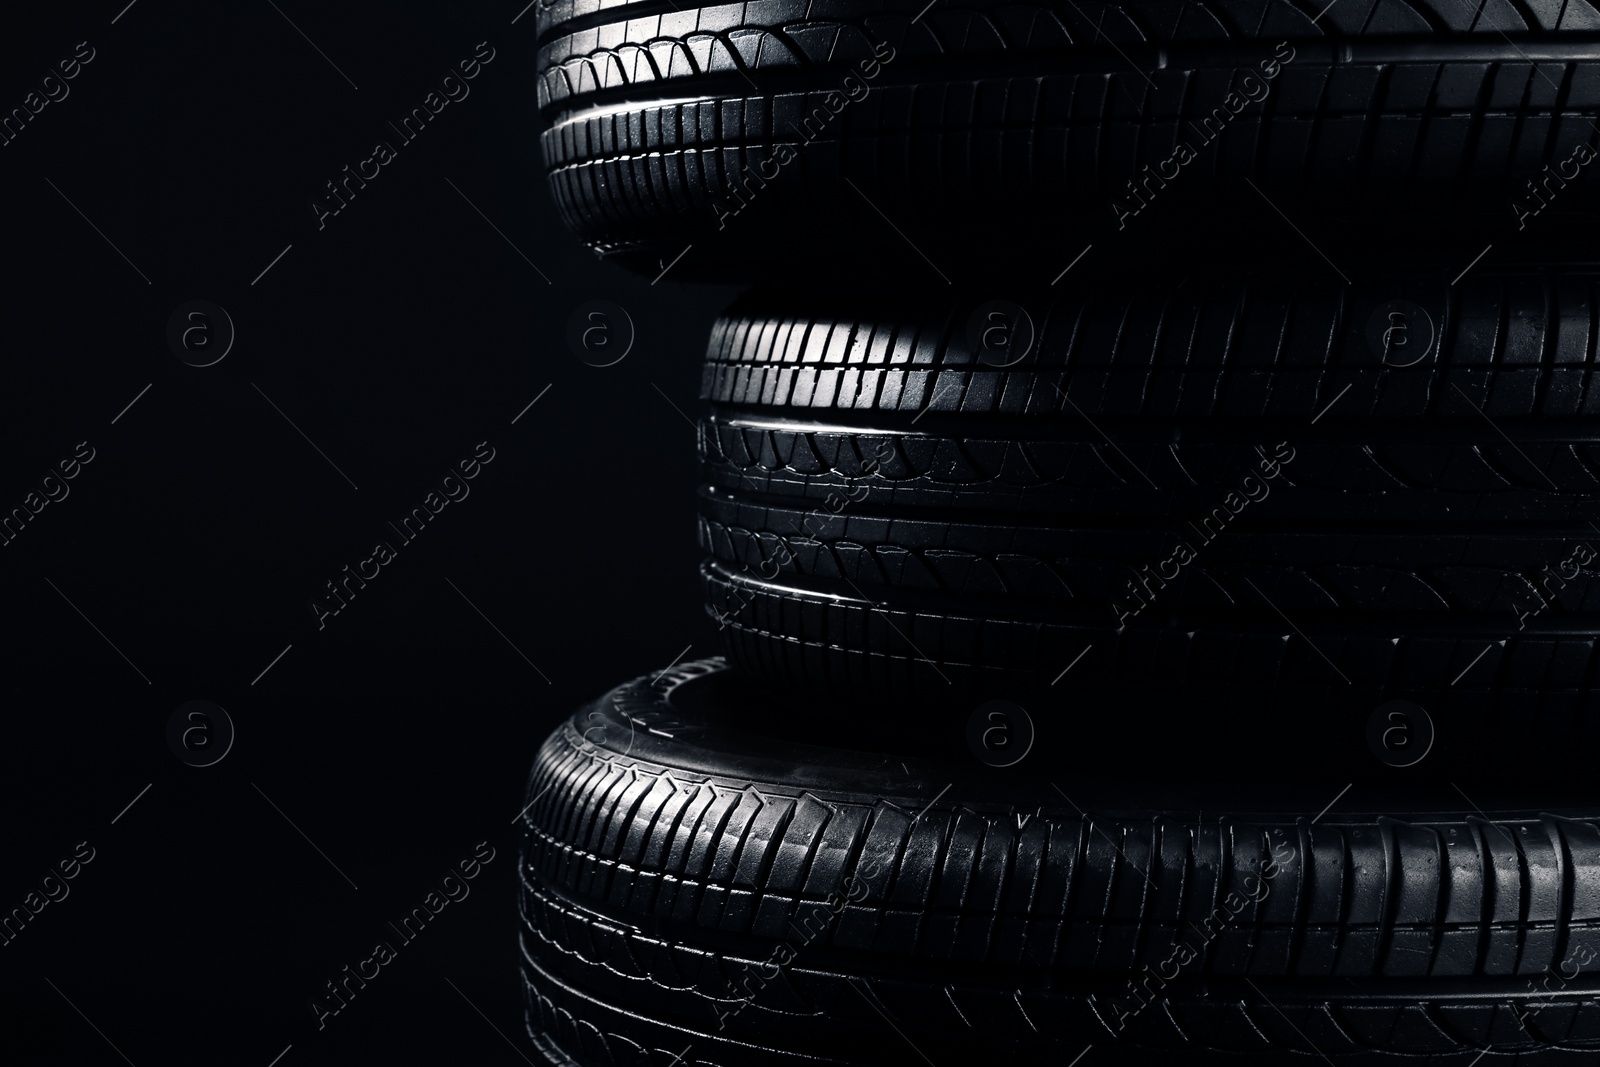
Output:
(683, 868)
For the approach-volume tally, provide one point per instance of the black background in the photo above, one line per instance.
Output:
(186, 555)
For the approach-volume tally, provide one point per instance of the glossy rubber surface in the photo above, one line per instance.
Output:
(1250, 493)
(994, 136)
(691, 880)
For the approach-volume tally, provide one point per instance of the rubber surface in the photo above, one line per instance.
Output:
(883, 651)
(1056, 565)
(978, 125)
(1512, 346)
(1404, 471)
(1158, 699)
(690, 881)
(1232, 484)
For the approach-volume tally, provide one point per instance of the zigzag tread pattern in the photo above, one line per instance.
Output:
(1253, 1032)
(1497, 576)
(1409, 472)
(646, 173)
(629, 49)
(997, 23)
(1054, 1022)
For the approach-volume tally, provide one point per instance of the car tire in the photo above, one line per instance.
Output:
(674, 849)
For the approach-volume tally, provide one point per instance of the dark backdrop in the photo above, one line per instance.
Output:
(376, 353)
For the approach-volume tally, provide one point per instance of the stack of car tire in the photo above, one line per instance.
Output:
(1150, 497)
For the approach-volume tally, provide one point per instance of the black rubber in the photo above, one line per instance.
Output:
(685, 867)
(1402, 471)
(1513, 346)
(1173, 501)
(1098, 564)
(1157, 700)
(891, 655)
(995, 135)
